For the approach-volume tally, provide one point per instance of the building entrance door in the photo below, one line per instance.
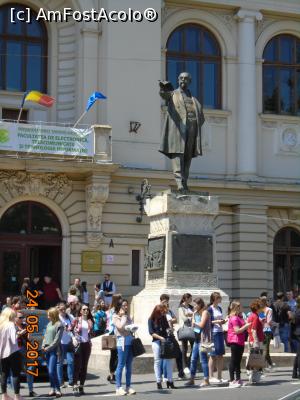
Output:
(30, 245)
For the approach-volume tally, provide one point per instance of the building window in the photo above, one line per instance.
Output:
(135, 267)
(23, 48)
(286, 260)
(194, 49)
(281, 75)
(11, 115)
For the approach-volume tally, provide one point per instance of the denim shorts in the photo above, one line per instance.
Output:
(218, 339)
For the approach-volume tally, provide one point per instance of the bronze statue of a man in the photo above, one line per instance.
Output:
(181, 136)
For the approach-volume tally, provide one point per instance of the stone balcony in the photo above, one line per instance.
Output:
(91, 144)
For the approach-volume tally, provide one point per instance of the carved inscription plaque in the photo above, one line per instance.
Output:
(192, 253)
(155, 258)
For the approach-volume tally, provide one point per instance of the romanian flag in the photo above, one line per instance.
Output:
(40, 98)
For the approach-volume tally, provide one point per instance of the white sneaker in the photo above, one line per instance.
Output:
(214, 380)
(234, 384)
(120, 392)
(224, 380)
(130, 391)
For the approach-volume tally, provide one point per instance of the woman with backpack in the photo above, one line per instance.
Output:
(217, 321)
(100, 319)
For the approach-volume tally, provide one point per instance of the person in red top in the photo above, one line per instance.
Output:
(256, 335)
(255, 330)
(52, 293)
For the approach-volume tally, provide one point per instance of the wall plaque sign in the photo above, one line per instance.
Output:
(155, 257)
(192, 253)
(91, 261)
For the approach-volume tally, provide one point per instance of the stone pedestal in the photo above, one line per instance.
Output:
(181, 254)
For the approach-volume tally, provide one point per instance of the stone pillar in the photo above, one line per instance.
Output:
(247, 100)
(181, 253)
(97, 191)
(249, 252)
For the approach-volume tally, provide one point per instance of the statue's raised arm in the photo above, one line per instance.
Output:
(165, 90)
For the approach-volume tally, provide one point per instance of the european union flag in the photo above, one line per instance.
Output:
(94, 97)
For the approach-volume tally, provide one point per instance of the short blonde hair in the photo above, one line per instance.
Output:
(53, 314)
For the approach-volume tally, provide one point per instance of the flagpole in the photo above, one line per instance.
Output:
(19, 116)
(80, 118)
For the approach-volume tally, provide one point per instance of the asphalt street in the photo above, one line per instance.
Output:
(276, 385)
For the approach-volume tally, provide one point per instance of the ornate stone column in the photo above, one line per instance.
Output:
(247, 101)
(96, 196)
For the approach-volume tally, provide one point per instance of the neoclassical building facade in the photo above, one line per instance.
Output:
(245, 64)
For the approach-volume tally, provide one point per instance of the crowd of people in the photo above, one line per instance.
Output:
(202, 333)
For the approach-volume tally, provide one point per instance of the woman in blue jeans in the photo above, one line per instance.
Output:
(200, 320)
(122, 323)
(51, 347)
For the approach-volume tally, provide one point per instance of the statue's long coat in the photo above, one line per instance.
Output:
(174, 133)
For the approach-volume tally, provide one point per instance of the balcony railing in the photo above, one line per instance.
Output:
(34, 140)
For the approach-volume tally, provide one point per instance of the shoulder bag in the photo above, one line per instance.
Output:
(137, 347)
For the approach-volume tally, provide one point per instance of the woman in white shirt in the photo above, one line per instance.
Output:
(83, 328)
(185, 314)
(217, 321)
(9, 353)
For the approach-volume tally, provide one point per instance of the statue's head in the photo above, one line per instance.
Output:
(184, 80)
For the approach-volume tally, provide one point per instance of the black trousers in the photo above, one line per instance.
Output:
(11, 364)
(235, 361)
(184, 348)
(113, 361)
(296, 369)
(81, 363)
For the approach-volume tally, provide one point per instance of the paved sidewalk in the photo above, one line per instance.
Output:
(276, 385)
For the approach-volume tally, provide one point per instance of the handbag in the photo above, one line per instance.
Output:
(255, 360)
(137, 347)
(169, 348)
(206, 343)
(186, 333)
(109, 342)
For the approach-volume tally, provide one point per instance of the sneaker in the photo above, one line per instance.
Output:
(63, 385)
(120, 392)
(32, 394)
(130, 391)
(204, 384)
(224, 380)
(181, 375)
(58, 394)
(240, 382)
(234, 384)
(214, 380)
(76, 390)
(187, 371)
(70, 385)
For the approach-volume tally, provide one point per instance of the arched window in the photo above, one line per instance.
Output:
(23, 49)
(194, 49)
(286, 260)
(281, 75)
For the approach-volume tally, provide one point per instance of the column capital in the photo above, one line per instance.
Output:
(248, 15)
